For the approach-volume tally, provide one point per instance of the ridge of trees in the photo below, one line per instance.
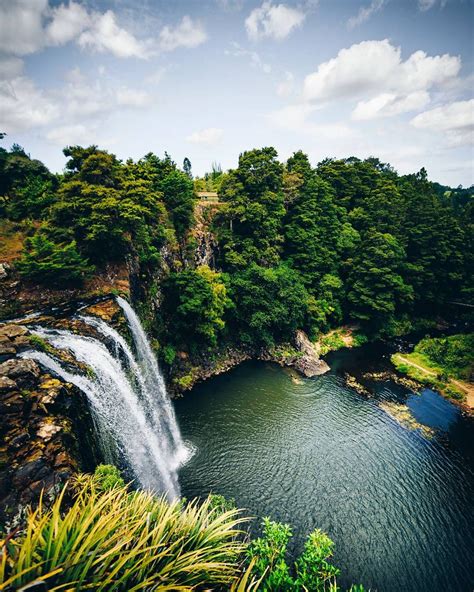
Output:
(299, 246)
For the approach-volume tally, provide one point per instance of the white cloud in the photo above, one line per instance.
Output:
(21, 25)
(27, 26)
(456, 120)
(424, 5)
(23, 106)
(255, 59)
(389, 104)
(376, 66)
(156, 77)
(365, 12)
(275, 21)
(67, 135)
(285, 87)
(68, 22)
(130, 97)
(106, 35)
(188, 33)
(10, 67)
(208, 136)
(294, 118)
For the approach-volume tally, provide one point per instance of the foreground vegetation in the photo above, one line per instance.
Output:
(445, 363)
(100, 535)
(299, 246)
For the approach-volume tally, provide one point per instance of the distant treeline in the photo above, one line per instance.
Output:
(299, 247)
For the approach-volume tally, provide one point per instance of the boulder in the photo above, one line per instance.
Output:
(6, 384)
(23, 371)
(309, 363)
(11, 331)
(4, 268)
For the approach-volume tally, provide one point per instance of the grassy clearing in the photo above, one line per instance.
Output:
(339, 338)
(418, 367)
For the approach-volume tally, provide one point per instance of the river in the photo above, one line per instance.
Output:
(398, 502)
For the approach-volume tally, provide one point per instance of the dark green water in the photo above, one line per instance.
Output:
(314, 453)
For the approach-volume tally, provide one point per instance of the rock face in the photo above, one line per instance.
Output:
(187, 372)
(309, 363)
(45, 429)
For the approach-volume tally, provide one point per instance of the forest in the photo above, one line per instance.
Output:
(298, 246)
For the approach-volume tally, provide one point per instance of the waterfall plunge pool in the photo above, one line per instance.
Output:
(315, 454)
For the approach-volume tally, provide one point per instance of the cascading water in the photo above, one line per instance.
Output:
(133, 414)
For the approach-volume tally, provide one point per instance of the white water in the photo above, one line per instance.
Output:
(133, 414)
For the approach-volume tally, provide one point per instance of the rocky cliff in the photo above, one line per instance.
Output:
(45, 427)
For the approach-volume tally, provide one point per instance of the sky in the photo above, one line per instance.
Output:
(208, 79)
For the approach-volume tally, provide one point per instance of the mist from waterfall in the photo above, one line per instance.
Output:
(132, 412)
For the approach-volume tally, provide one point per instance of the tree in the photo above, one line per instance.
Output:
(26, 186)
(250, 226)
(270, 303)
(105, 208)
(376, 287)
(187, 167)
(195, 302)
(433, 240)
(178, 195)
(48, 263)
(312, 225)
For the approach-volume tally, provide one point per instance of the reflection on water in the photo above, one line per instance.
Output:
(314, 453)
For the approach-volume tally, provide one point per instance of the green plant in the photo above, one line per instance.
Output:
(111, 539)
(169, 354)
(313, 571)
(269, 554)
(46, 262)
(39, 343)
(107, 477)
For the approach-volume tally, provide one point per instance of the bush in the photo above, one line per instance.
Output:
(46, 262)
(114, 540)
(107, 477)
(311, 571)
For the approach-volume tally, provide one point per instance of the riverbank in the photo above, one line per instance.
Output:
(301, 355)
(444, 364)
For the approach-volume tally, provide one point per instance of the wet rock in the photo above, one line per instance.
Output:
(7, 351)
(7, 384)
(4, 269)
(19, 441)
(107, 310)
(11, 331)
(30, 472)
(46, 431)
(25, 372)
(353, 383)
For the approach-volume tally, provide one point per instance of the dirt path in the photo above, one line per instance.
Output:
(466, 387)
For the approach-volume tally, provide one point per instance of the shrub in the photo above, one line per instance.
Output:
(49, 263)
(107, 477)
(112, 540)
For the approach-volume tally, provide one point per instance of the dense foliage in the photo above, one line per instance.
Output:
(453, 354)
(299, 246)
(100, 535)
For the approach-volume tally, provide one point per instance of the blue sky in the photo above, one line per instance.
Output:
(208, 79)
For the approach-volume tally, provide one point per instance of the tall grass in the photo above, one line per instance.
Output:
(117, 540)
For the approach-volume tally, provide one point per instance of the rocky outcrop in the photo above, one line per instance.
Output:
(309, 363)
(19, 297)
(45, 428)
(206, 242)
(302, 356)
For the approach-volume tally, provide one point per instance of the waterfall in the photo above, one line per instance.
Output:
(133, 414)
